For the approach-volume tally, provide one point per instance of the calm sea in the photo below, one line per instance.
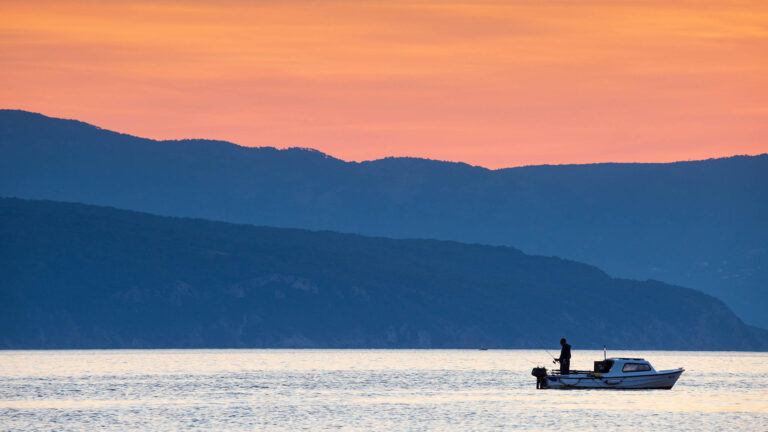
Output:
(380, 390)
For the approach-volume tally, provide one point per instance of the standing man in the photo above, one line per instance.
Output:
(565, 357)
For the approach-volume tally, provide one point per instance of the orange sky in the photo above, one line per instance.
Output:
(498, 83)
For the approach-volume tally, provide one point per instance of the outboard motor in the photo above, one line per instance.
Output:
(541, 377)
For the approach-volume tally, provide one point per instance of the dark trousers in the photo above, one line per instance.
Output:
(565, 366)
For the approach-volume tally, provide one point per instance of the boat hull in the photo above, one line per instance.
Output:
(658, 380)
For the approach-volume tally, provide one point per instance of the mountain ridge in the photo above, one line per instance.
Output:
(698, 224)
(81, 276)
(22, 112)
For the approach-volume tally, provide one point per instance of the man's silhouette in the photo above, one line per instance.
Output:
(565, 357)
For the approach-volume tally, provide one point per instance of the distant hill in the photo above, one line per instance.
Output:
(698, 224)
(77, 276)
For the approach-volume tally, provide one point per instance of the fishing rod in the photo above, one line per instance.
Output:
(554, 359)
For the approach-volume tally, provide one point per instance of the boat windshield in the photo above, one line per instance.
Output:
(636, 367)
(603, 366)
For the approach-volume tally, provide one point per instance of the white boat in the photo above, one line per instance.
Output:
(611, 373)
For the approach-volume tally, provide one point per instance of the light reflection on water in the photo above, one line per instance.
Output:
(365, 390)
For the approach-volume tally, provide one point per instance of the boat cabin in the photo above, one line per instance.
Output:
(622, 366)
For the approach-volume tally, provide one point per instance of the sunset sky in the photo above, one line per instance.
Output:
(499, 83)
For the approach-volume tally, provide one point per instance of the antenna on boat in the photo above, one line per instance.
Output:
(605, 352)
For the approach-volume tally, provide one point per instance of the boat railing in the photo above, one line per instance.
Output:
(574, 372)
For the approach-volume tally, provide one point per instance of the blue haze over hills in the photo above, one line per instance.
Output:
(698, 224)
(79, 276)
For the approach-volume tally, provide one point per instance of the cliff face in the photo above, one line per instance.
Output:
(77, 276)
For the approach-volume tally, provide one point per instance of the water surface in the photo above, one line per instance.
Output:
(380, 390)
